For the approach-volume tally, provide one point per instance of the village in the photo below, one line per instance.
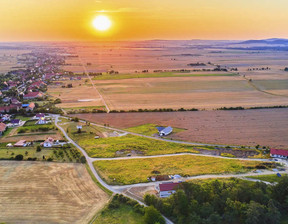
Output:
(33, 127)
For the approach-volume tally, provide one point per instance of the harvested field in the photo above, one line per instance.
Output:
(189, 92)
(80, 95)
(38, 192)
(266, 127)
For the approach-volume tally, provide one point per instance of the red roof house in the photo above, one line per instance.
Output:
(33, 95)
(166, 189)
(279, 153)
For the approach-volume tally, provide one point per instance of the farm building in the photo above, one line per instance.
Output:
(279, 153)
(2, 128)
(166, 189)
(21, 143)
(164, 131)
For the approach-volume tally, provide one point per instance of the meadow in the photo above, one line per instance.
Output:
(149, 129)
(132, 171)
(269, 178)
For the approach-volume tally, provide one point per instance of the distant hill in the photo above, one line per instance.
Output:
(271, 41)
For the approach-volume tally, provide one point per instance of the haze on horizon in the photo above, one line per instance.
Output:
(52, 20)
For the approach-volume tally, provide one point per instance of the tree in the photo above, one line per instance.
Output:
(255, 213)
(19, 157)
(38, 149)
(82, 159)
(153, 216)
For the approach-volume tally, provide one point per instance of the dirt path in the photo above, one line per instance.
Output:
(102, 98)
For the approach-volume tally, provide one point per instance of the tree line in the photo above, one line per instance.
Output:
(225, 201)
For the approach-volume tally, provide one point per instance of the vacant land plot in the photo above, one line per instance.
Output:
(187, 92)
(138, 170)
(267, 127)
(124, 214)
(36, 192)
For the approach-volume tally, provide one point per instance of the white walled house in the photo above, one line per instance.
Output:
(166, 189)
(279, 153)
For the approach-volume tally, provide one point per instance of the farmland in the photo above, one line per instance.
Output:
(266, 127)
(188, 92)
(138, 170)
(48, 193)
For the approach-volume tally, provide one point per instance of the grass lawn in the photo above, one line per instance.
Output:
(132, 171)
(149, 129)
(269, 178)
(153, 75)
(122, 215)
(7, 132)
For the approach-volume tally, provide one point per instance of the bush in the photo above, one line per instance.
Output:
(38, 149)
(83, 159)
(153, 216)
(19, 157)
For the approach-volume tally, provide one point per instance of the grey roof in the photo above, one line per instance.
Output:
(167, 130)
(160, 128)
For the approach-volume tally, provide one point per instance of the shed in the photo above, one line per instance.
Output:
(166, 131)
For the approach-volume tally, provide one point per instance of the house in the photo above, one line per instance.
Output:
(33, 95)
(6, 117)
(30, 107)
(166, 189)
(2, 128)
(25, 105)
(6, 109)
(6, 100)
(279, 153)
(49, 142)
(38, 116)
(21, 143)
(42, 120)
(164, 131)
(38, 84)
(15, 122)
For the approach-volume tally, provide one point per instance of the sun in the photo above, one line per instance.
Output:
(102, 23)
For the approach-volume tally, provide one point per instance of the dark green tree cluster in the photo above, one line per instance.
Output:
(229, 201)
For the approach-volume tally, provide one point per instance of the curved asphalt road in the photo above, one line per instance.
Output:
(90, 163)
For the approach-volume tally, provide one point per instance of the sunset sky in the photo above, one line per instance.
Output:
(44, 20)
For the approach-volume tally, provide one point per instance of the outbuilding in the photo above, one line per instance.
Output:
(164, 131)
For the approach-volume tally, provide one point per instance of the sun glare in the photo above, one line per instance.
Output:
(102, 23)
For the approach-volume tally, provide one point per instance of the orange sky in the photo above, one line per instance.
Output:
(44, 20)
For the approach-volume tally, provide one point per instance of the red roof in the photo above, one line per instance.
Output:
(32, 94)
(168, 186)
(2, 127)
(281, 152)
